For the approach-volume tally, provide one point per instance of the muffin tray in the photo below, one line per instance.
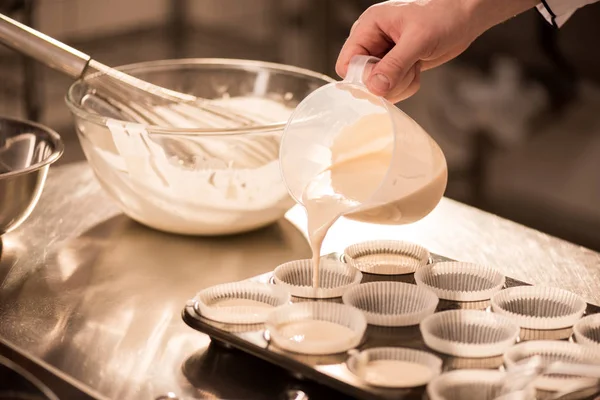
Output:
(331, 370)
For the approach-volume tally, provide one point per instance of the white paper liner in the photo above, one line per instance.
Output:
(474, 384)
(539, 307)
(386, 257)
(552, 334)
(587, 331)
(320, 341)
(469, 333)
(218, 302)
(459, 281)
(335, 277)
(452, 363)
(463, 305)
(392, 303)
(425, 366)
(553, 350)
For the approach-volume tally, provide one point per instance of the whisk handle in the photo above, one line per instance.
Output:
(43, 48)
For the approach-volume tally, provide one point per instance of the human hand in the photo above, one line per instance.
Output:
(415, 35)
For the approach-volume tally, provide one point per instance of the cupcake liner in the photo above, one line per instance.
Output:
(316, 328)
(392, 303)
(460, 281)
(240, 302)
(386, 257)
(335, 277)
(549, 351)
(539, 307)
(537, 334)
(368, 278)
(394, 367)
(480, 384)
(587, 331)
(469, 333)
(452, 363)
(463, 305)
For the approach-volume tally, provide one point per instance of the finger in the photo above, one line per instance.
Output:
(365, 39)
(412, 88)
(350, 49)
(390, 74)
(436, 62)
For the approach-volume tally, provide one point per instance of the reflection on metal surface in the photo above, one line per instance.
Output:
(168, 396)
(210, 370)
(98, 297)
(296, 395)
(17, 383)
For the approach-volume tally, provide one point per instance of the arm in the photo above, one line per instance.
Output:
(557, 12)
(415, 35)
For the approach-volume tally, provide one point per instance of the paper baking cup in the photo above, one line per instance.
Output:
(386, 257)
(335, 277)
(539, 307)
(392, 303)
(316, 328)
(469, 333)
(549, 351)
(463, 305)
(452, 363)
(240, 302)
(587, 331)
(551, 334)
(460, 281)
(397, 367)
(479, 384)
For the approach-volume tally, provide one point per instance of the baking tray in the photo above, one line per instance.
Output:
(330, 370)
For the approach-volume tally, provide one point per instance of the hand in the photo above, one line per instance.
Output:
(415, 35)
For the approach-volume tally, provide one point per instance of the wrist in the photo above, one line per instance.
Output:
(487, 13)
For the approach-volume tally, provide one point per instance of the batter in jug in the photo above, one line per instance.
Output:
(361, 157)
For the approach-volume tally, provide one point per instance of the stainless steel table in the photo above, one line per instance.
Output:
(96, 298)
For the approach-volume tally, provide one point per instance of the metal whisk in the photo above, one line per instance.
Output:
(116, 92)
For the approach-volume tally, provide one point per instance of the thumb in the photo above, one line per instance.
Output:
(391, 73)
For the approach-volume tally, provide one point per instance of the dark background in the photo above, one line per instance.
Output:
(518, 115)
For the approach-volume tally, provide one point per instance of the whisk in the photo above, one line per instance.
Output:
(116, 93)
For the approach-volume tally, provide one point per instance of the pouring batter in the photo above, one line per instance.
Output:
(361, 157)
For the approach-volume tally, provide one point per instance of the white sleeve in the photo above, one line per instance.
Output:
(557, 12)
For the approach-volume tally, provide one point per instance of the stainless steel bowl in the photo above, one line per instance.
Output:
(26, 152)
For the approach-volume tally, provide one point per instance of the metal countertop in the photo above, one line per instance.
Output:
(96, 297)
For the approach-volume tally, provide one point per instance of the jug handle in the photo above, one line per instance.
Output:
(359, 66)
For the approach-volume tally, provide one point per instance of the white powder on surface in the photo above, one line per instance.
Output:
(211, 184)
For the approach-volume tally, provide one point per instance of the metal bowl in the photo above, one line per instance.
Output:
(26, 152)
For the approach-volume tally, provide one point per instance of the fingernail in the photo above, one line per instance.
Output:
(380, 83)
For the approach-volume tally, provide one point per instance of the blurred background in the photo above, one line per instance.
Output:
(518, 114)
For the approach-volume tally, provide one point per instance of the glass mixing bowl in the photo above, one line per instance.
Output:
(204, 181)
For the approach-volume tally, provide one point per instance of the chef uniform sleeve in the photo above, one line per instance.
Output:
(557, 12)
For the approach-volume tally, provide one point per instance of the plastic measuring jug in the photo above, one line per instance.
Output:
(314, 140)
